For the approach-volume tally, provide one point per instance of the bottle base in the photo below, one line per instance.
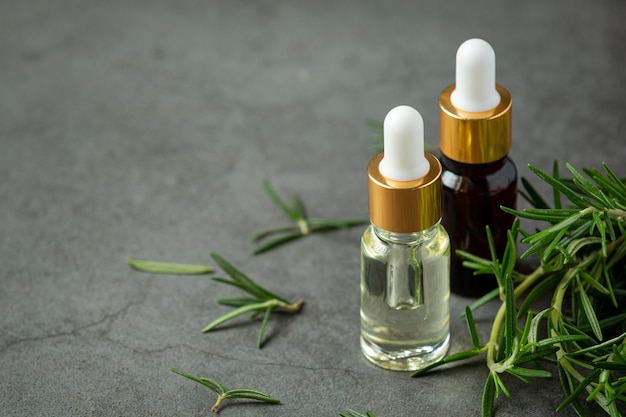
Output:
(404, 359)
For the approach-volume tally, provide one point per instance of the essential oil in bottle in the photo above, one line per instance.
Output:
(478, 176)
(405, 252)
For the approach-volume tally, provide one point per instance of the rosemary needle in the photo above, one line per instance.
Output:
(352, 413)
(303, 225)
(171, 268)
(223, 394)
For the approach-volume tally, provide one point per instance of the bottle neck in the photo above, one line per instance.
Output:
(413, 238)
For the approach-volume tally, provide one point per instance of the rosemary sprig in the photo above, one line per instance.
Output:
(223, 394)
(582, 259)
(171, 268)
(261, 302)
(303, 226)
(351, 413)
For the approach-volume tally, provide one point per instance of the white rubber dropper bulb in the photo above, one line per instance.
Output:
(475, 89)
(403, 133)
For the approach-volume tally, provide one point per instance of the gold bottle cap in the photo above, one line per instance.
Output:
(475, 137)
(404, 206)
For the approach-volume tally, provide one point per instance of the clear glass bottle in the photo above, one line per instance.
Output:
(478, 176)
(405, 252)
(404, 292)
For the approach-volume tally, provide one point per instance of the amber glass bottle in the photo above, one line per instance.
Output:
(472, 196)
(478, 177)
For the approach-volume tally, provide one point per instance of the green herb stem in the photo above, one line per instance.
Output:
(521, 288)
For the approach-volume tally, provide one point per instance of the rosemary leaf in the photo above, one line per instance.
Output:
(279, 202)
(524, 373)
(612, 188)
(237, 301)
(576, 391)
(556, 195)
(609, 225)
(298, 208)
(266, 317)
(492, 246)
(211, 384)
(223, 394)
(510, 250)
(277, 242)
(236, 313)
(454, 357)
(500, 386)
(526, 331)
(303, 226)
(263, 398)
(558, 185)
(612, 366)
(235, 284)
(539, 353)
(336, 224)
(265, 233)
(484, 299)
(540, 215)
(532, 196)
(489, 393)
(241, 391)
(615, 181)
(551, 341)
(353, 413)
(588, 188)
(476, 259)
(605, 344)
(589, 312)
(533, 333)
(600, 226)
(472, 327)
(238, 276)
(578, 244)
(157, 267)
(510, 315)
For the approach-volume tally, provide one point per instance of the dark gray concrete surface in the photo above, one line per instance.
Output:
(144, 128)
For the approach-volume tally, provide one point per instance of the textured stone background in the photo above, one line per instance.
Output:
(143, 128)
